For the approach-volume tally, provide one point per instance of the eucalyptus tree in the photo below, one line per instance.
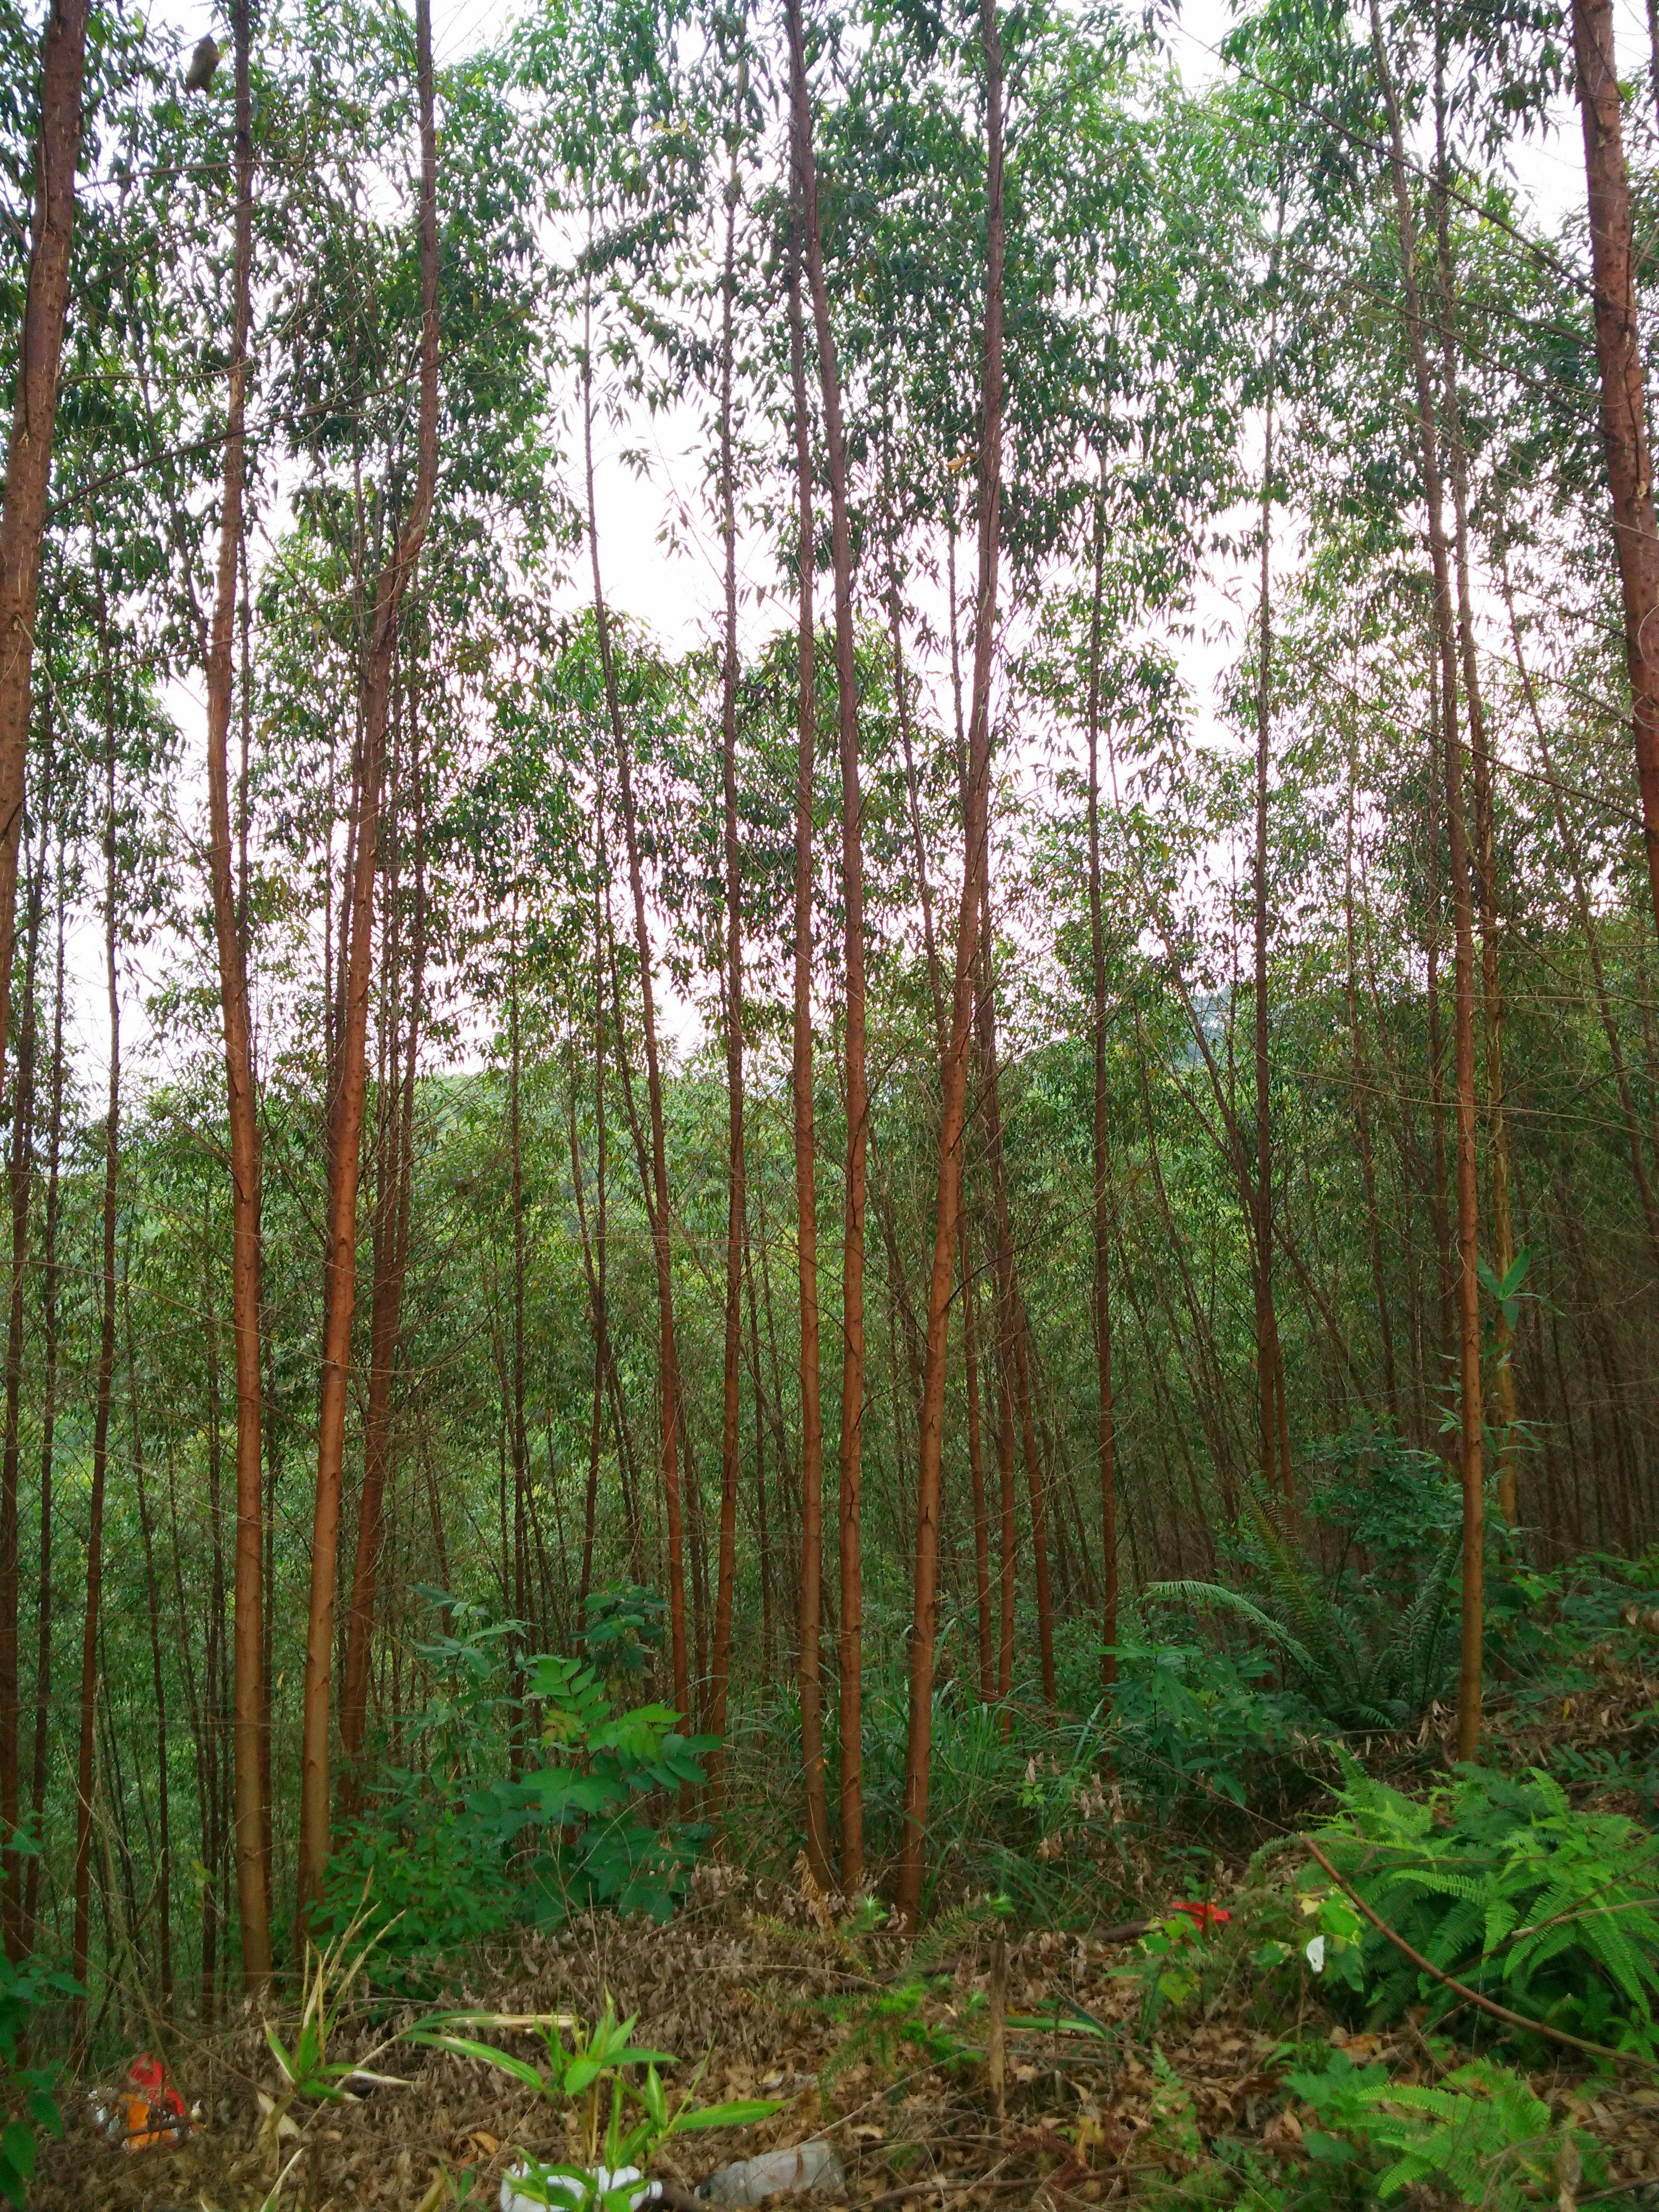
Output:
(29, 448)
(347, 1115)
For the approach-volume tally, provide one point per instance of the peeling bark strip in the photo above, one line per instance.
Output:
(348, 1121)
(954, 1073)
(248, 1691)
(1623, 420)
(28, 455)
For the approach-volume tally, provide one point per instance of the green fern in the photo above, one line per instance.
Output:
(1480, 2133)
(1359, 1663)
(1501, 1884)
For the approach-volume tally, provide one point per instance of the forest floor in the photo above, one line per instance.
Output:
(879, 2050)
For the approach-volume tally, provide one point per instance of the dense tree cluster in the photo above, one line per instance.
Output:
(900, 1125)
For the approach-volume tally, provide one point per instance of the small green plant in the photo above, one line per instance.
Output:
(1479, 2132)
(307, 2074)
(1501, 1884)
(29, 2104)
(889, 2029)
(586, 2079)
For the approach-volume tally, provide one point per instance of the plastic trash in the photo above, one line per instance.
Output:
(808, 2168)
(146, 2112)
(565, 2193)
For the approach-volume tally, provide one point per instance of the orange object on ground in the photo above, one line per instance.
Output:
(1203, 1916)
(152, 2115)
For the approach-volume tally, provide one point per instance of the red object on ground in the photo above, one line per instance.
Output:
(153, 2114)
(1203, 1916)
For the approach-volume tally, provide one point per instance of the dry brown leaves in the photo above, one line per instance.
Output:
(738, 1990)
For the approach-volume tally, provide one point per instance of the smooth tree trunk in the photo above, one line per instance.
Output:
(394, 1203)
(1484, 852)
(736, 1192)
(248, 1688)
(33, 423)
(954, 1073)
(1011, 1316)
(808, 1680)
(49, 1295)
(21, 1178)
(346, 1119)
(1469, 1687)
(970, 1384)
(92, 1620)
(1623, 399)
(857, 1090)
(657, 1194)
(1272, 1421)
(1105, 1425)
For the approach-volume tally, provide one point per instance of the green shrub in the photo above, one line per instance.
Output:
(458, 1851)
(1200, 1729)
(1501, 1884)
(27, 2095)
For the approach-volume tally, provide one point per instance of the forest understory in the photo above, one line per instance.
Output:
(1122, 2070)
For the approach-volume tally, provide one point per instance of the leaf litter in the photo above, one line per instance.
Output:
(870, 2047)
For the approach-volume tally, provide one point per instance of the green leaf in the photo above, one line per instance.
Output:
(463, 2046)
(740, 2113)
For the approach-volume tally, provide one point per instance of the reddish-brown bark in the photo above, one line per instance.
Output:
(1469, 1285)
(954, 1073)
(1105, 1426)
(35, 419)
(352, 1080)
(394, 1206)
(809, 1685)
(1623, 399)
(248, 1694)
(857, 1090)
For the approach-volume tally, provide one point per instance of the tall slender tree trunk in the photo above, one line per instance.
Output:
(661, 1244)
(736, 1191)
(1269, 1367)
(1010, 1318)
(987, 1681)
(394, 1207)
(1361, 1078)
(857, 1092)
(1105, 1425)
(1469, 1227)
(48, 1422)
(92, 1622)
(347, 1120)
(21, 1180)
(1623, 399)
(248, 1693)
(1483, 856)
(33, 423)
(954, 1073)
(163, 1840)
(808, 1679)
